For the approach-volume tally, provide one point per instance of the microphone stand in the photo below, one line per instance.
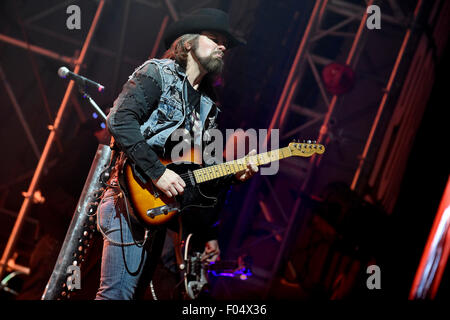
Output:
(82, 89)
(66, 275)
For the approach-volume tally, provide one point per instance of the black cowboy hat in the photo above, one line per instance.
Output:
(204, 19)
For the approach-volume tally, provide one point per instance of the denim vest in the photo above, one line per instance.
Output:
(171, 111)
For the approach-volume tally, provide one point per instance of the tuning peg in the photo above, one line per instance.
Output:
(309, 141)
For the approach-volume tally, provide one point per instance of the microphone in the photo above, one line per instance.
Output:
(63, 72)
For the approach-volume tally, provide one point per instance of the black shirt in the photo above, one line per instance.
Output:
(192, 113)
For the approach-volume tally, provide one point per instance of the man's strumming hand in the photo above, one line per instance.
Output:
(170, 183)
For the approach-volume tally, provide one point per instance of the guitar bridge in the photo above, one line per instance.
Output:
(163, 210)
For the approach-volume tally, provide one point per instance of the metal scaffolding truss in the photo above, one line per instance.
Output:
(45, 153)
(277, 211)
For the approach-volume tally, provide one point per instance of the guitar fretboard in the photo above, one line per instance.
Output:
(231, 167)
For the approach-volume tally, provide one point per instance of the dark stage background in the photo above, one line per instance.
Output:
(312, 229)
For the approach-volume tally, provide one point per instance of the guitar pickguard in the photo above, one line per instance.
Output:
(152, 207)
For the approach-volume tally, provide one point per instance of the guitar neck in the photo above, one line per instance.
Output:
(232, 167)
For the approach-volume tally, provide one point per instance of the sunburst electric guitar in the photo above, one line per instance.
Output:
(151, 207)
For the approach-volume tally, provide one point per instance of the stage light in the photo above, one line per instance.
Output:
(338, 78)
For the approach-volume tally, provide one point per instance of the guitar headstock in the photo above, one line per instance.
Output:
(306, 148)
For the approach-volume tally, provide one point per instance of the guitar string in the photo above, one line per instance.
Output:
(217, 170)
(189, 175)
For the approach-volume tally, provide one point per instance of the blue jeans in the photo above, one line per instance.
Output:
(126, 268)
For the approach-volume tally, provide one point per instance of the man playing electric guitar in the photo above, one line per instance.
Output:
(160, 97)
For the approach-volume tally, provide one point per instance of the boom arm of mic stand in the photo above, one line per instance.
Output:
(91, 101)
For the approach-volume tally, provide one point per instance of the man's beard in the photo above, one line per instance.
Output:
(212, 65)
